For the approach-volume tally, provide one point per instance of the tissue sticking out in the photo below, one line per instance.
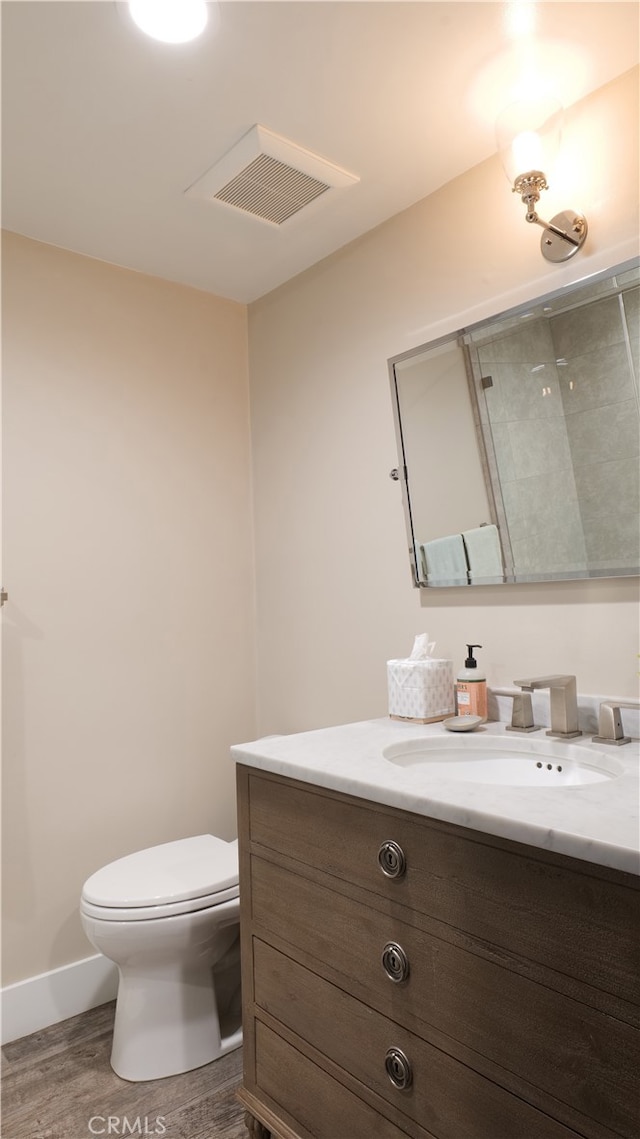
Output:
(422, 647)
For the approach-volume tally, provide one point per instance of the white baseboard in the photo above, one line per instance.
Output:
(51, 997)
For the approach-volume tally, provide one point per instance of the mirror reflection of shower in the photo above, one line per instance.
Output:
(546, 448)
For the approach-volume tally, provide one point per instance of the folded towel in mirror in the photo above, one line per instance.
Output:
(445, 561)
(484, 555)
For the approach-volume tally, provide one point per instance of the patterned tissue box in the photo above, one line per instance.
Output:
(420, 690)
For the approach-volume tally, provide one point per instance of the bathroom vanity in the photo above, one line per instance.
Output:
(435, 958)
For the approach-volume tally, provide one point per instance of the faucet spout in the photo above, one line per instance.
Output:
(545, 682)
(563, 703)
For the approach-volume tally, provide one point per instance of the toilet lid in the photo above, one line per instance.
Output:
(172, 872)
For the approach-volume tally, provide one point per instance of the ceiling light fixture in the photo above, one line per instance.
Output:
(171, 21)
(528, 136)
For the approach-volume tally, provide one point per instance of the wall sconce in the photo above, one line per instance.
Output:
(528, 136)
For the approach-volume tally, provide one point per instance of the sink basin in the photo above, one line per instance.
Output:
(504, 761)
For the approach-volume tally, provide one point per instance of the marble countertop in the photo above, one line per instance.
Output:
(597, 822)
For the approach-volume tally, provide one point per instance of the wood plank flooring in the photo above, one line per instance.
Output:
(59, 1084)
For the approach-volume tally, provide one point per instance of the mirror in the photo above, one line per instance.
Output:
(518, 441)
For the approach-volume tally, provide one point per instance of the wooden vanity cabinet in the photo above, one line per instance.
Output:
(404, 977)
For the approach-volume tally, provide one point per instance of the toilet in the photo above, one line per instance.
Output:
(169, 917)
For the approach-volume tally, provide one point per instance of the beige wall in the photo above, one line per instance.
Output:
(334, 592)
(129, 636)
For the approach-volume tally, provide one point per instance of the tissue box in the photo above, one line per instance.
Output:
(420, 690)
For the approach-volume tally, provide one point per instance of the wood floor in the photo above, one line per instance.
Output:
(58, 1084)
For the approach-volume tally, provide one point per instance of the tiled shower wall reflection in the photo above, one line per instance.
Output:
(563, 410)
(532, 451)
(600, 399)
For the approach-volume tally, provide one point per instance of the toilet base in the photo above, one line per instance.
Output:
(167, 1022)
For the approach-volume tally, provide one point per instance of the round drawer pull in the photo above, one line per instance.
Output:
(398, 1068)
(395, 962)
(391, 859)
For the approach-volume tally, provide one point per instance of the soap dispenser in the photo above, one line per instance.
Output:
(471, 688)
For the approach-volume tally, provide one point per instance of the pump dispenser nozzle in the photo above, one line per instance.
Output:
(471, 661)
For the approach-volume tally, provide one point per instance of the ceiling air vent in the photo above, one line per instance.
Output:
(269, 177)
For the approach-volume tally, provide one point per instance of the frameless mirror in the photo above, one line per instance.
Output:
(518, 441)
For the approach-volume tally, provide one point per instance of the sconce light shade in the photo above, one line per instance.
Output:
(528, 135)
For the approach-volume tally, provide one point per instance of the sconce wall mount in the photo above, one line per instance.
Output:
(565, 234)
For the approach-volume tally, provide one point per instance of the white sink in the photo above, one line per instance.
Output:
(505, 761)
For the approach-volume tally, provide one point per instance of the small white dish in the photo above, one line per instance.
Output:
(462, 723)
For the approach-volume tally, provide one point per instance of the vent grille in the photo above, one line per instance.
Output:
(269, 177)
(271, 190)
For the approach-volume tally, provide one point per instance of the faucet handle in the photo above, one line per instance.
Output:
(522, 714)
(610, 730)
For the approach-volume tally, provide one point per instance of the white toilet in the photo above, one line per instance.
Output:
(169, 917)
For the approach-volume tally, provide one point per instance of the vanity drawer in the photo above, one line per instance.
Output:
(553, 910)
(312, 1099)
(581, 1056)
(445, 1097)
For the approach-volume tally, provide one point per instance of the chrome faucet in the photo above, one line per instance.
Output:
(564, 703)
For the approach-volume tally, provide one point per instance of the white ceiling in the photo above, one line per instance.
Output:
(104, 129)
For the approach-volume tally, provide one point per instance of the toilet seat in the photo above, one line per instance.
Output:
(175, 878)
(153, 913)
